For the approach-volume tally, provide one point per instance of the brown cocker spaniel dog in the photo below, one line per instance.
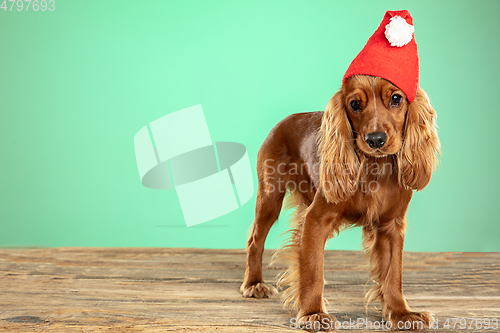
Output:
(356, 164)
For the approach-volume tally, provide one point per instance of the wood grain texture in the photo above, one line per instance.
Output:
(189, 290)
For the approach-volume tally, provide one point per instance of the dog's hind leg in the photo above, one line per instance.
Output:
(269, 201)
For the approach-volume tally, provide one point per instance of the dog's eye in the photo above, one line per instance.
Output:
(355, 106)
(396, 100)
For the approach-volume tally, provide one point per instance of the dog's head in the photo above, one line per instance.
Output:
(372, 117)
(376, 110)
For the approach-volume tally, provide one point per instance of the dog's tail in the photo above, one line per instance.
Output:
(288, 253)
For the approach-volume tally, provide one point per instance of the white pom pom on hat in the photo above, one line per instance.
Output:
(398, 32)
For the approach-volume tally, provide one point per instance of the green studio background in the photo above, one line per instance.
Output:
(76, 85)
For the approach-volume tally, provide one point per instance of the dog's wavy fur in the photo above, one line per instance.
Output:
(333, 199)
(288, 254)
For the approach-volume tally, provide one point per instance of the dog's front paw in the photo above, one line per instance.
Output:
(317, 322)
(410, 320)
(257, 290)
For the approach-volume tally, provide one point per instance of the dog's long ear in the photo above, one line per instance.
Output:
(339, 162)
(418, 156)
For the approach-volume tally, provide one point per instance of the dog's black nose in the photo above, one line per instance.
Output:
(376, 139)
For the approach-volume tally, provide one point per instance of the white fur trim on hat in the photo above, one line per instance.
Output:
(398, 32)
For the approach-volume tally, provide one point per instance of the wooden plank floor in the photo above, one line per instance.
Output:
(188, 290)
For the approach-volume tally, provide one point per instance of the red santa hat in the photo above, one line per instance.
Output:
(391, 53)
